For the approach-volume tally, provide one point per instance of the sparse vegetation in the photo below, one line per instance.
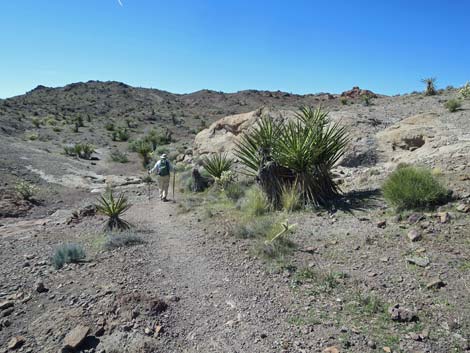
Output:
(80, 150)
(366, 100)
(344, 101)
(67, 253)
(255, 202)
(290, 197)
(36, 122)
(114, 208)
(304, 150)
(121, 239)
(121, 134)
(465, 91)
(430, 86)
(118, 156)
(144, 149)
(410, 187)
(25, 190)
(453, 105)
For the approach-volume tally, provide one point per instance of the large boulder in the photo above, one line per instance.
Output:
(357, 92)
(223, 134)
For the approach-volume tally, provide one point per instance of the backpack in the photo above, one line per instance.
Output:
(164, 168)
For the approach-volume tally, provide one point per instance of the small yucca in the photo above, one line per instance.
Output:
(114, 208)
(216, 164)
(430, 83)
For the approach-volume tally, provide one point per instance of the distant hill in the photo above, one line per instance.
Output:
(101, 103)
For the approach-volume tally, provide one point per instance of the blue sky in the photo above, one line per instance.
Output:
(297, 46)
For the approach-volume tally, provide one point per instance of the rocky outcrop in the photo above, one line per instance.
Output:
(357, 92)
(222, 135)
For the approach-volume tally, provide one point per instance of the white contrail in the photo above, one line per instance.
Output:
(120, 2)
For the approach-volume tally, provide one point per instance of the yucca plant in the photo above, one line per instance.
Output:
(114, 208)
(430, 86)
(302, 150)
(216, 164)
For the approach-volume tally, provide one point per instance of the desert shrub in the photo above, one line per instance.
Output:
(109, 126)
(80, 150)
(453, 105)
(234, 191)
(51, 121)
(253, 227)
(255, 202)
(118, 156)
(366, 99)
(25, 190)
(114, 208)
(36, 122)
(79, 121)
(216, 164)
(158, 137)
(161, 150)
(430, 86)
(465, 90)
(121, 134)
(303, 150)
(344, 101)
(120, 240)
(144, 149)
(33, 136)
(67, 253)
(409, 187)
(291, 199)
(56, 129)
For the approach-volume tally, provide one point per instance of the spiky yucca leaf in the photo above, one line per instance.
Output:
(114, 208)
(261, 138)
(216, 164)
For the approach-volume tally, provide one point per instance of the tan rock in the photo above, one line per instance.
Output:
(16, 342)
(74, 338)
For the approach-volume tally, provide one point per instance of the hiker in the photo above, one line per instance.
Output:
(163, 168)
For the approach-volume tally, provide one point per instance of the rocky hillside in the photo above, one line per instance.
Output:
(99, 103)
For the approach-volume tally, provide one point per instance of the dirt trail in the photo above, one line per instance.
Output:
(221, 308)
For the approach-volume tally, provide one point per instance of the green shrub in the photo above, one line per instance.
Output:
(413, 188)
(430, 86)
(453, 105)
(118, 156)
(114, 208)
(144, 149)
(32, 136)
(120, 240)
(36, 122)
(366, 99)
(158, 137)
(67, 253)
(109, 126)
(465, 91)
(343, 100)
(80, 150)
(121, 134)
(25, 190)
(255, 202)
(303, 150)
(161, 150)
(216, 164)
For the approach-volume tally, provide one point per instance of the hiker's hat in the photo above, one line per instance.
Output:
(163, 156)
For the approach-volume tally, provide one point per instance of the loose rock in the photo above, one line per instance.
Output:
(74, 338)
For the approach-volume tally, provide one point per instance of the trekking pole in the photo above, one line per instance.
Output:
(173, 188)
